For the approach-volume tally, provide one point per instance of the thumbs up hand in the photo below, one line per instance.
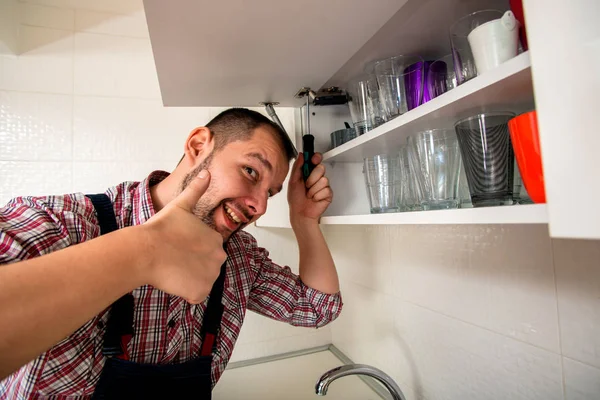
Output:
(184, 255)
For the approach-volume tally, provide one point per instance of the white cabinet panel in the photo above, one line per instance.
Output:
(564, 37)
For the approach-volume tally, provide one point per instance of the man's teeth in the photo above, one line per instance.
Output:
(232, 214)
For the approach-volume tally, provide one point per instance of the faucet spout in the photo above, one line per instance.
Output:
(358, 369)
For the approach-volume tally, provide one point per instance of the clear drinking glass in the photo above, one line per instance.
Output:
(464, 62)
(441, 76)
(463, 188)
(383, 182)
(400, 81)
(488, 157)
(436, 158)
(362, 103)
(410, 194)
(375, 92)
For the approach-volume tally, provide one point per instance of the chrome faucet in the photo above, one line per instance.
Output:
(358, 369)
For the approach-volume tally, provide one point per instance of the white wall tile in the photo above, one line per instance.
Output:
(312, 338)
(362, 255)
(114, 66)
(23, 178)
(44, 63)
(582, 382)
(112, 6)
(180, 121)
(258, 328)
(131, 129)
(366, 333)
(281, 244)
(49, 17)
(96, 177)
(578, 283)
(35, 126)
(132, 25)
(497, 277)
(455, 360)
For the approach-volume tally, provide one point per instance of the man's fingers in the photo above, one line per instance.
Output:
(297, 168)
(323, 194)
(192, 193)
(317, 158)
(315, 175)
(321, 184)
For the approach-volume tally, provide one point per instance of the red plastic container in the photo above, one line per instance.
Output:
(526, 143)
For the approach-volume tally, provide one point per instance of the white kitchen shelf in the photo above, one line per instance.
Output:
(518, 214)
(507, 87)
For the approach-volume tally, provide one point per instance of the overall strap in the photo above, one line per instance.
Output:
(213, 315)
(104, 212)
(119, 328)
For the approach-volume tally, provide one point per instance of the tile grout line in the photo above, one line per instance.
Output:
(562, 362)
(74, 31)
(581, 362)
(284, 337)
(71, 8)
(103, 96)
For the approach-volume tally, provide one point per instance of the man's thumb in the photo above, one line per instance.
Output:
(194, 190)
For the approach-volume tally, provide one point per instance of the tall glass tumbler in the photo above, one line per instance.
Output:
(464, 62)
(436, 157)
(488, 157)
(375, 92)
(382, 179)
(410, 195)
(441, 76)
(363, 108)
(394, 74)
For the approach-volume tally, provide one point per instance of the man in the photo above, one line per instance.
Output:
(152, 342)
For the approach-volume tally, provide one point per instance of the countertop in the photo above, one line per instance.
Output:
(292, 378)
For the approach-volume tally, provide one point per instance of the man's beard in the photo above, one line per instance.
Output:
(203, 209)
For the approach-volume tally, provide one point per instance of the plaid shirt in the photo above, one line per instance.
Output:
(167, 328)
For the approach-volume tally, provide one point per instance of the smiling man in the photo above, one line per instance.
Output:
(152, 343)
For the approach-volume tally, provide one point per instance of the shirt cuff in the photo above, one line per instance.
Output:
(327, 306)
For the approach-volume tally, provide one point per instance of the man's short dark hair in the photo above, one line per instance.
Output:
(240, 123)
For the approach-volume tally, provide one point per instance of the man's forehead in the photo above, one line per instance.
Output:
(261, 158)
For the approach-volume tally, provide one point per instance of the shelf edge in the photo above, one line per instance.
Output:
(518, 214)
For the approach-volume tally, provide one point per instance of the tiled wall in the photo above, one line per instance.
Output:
(80, 110)
(471, 312)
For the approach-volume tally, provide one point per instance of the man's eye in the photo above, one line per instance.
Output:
(251, 172)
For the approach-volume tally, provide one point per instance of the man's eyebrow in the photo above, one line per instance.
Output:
(263, 160)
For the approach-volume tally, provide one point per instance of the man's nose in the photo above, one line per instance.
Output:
(257, 204)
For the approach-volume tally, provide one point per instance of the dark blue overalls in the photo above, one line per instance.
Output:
(124, 379)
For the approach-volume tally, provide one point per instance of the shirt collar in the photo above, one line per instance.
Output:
(142, 207)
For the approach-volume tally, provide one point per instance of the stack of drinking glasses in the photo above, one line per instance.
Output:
(470, 165)
(390, 87)
(426, 174)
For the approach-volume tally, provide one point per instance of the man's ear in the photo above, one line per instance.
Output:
(198, 145)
